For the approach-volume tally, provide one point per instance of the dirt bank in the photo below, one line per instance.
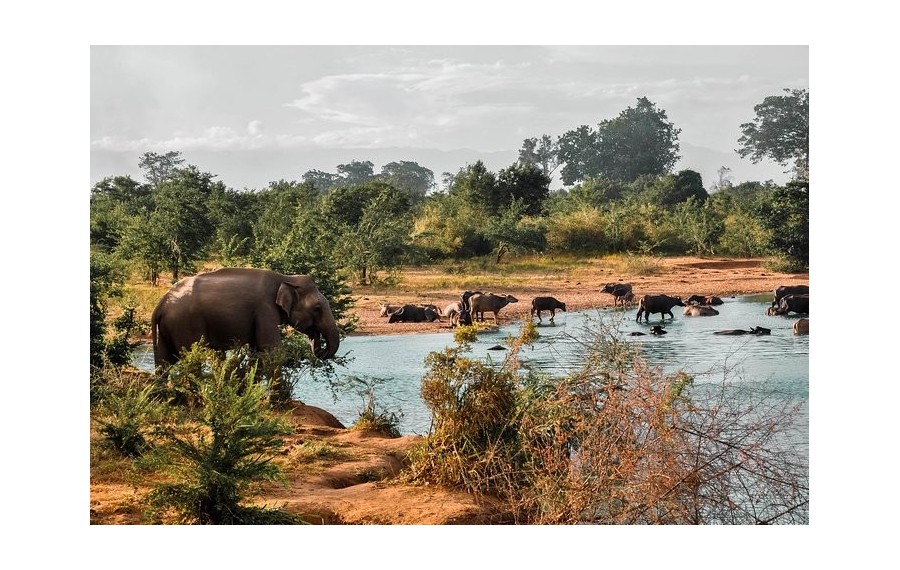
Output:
(356, 482)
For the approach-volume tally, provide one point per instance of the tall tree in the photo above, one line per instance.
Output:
(524, 182)
(579, 153)
(114, 200)
(279, 205)
(176, 231)
(160, 167)
(477, 185)
(323, 181)
(410, 177)
(543, 152)
(369, 225)
(355, 172)
(640, 141)
(780, 131)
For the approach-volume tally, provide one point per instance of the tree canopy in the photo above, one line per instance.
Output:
(780, 131)
(640, 141)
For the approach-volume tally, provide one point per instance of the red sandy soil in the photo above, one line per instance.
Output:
(361, 485)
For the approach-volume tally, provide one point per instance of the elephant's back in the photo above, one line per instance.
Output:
(220, 292)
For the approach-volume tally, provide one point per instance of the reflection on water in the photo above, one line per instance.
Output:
(778, 363)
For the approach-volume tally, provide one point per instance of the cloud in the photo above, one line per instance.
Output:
(255, 128)
(485, 99)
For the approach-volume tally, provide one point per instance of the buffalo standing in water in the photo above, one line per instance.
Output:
(790, 304)
(551, 304)
(786, 290)
(661, 304)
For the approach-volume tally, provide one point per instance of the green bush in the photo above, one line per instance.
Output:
(127, 408)
(372, 417)
(615, 442)
(229, 444)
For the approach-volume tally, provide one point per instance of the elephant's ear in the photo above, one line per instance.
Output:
(286, 297)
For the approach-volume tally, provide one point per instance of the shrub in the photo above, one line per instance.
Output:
(230, 443)
(616, 442)
(578, 231)
(371, 418)
(127, 408)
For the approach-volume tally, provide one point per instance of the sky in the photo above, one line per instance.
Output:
(255, 114)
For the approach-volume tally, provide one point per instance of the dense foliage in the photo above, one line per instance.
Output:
(615, 442)
(358, 226)
(780, 131)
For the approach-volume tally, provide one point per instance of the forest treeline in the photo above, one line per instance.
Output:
(356, 225)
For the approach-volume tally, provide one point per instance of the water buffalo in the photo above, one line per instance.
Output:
(452, 309)
(457, 314)
(661, 304)
(413, 314)
(621, 292)
(699, 311)
(539, 304)
(704, 300)
(479, 304)
(791, 304)
(786, 290)
(388, 309)
(801, 326)
(658, 330)
(753, 330)
(463, 317)
(464, 298)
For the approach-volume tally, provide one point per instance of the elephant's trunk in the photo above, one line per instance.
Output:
(332, 342)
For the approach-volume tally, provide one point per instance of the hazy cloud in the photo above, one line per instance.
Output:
(441, 98)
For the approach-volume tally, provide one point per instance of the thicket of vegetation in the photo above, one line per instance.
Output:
(618, 444)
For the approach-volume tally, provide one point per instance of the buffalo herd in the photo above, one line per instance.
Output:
(472, 306)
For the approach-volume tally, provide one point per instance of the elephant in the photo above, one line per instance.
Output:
(241, 306)
(489, 302)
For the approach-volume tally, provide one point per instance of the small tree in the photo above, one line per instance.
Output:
(229, 445)
(786, 216)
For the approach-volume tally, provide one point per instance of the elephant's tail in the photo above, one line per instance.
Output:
(154, 333)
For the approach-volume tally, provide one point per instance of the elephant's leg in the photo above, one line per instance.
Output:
(267, 335)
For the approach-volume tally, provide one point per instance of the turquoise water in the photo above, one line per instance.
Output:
(776, 365)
